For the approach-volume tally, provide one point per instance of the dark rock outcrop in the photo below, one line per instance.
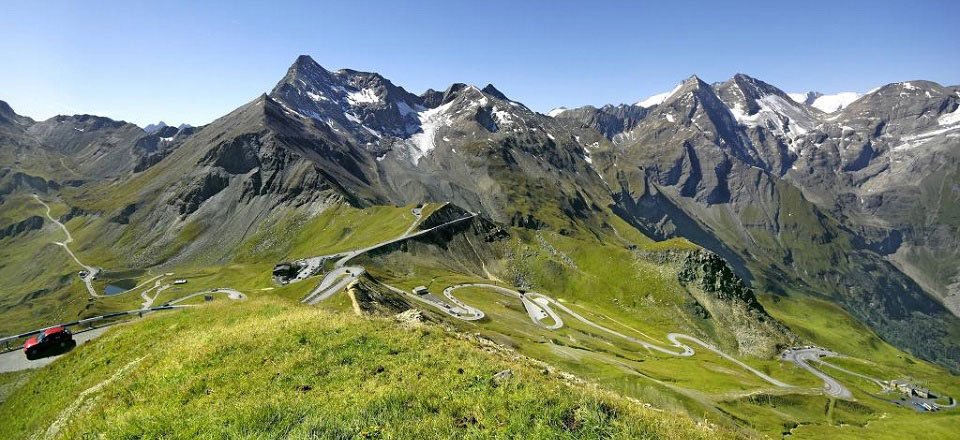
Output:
(31, 223)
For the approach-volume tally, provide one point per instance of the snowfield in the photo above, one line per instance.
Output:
(658, 98)
(828, 103)
(832, 103)
(430, 122)
(365, 96)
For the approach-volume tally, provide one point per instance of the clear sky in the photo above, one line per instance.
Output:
(194, 61)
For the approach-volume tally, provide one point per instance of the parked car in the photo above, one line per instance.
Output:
(52, 341)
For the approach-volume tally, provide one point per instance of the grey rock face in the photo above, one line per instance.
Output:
(609, 120)
(153, 128)
(31, 223)
(722, 297)
(788, 193)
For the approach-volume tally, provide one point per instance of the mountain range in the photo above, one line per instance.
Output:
(851, 199)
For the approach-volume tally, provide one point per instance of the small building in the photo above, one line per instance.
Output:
(421, 290)
(901, 386)
(285, 270)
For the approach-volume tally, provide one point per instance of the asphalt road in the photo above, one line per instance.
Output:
(235, 295)
(16, 360)
(801, 357)
(341, 275)
(333, 282)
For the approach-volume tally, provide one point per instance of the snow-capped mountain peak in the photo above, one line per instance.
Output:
(826, 103)
(659, 98)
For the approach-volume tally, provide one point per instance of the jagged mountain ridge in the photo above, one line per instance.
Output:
(80, 147)
(324, 137)
(829, 202)
(727, 165)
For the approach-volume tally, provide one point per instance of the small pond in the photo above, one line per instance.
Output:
(119, 286)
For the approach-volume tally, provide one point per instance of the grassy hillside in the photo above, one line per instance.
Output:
(626, 288)
(612, 274)
(269, 369)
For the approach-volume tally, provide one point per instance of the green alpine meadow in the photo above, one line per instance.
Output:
(318, 252)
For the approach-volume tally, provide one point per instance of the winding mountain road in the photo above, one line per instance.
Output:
(91, 271)
(341, 275)
(547, 303)
(802, 358)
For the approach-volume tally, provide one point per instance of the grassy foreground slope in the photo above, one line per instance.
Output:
(267, 368)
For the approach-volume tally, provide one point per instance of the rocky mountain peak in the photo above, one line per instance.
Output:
(153, 128)
(305, 73)
(7, 113)
(455, 91)
(916, 110)
(755, 88)
(431, 98)
(492, 91)
(748, 94)
(692, 86)
(306, 67)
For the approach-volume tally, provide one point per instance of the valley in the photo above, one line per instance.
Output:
(721, 255)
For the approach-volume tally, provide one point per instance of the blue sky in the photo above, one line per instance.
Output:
(194, 61)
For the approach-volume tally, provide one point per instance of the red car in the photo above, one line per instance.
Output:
(52, 341)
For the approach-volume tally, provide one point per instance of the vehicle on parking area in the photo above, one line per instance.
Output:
(50, 342)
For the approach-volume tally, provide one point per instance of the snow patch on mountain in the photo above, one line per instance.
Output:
(317, 97)
(503, 117)
(835, 102)
(430, 122)
(556, 112)
(364, 96)
(352, 118)
(658, 98)
(950, 122)
(779, 115)
(952, 118)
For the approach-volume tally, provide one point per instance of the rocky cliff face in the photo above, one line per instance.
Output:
(800, 199)
(31, 223)
(725, 307)
(731, 306)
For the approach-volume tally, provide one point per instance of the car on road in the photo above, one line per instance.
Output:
(50, 342)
